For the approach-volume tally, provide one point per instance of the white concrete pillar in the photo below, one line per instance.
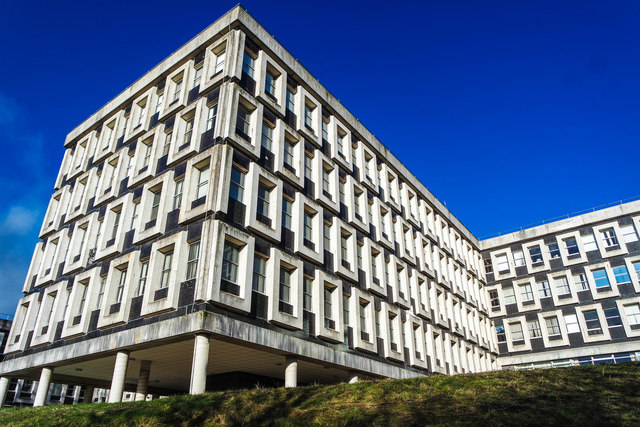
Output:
(88, 394)
(43, 387)
(119, 374)
(291, 371)
(4, 387)
(143, 380)
(199, 364)
(353, 377)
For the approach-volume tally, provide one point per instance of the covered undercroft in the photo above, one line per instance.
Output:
(190, 353)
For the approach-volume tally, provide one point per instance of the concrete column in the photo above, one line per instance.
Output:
(291, 371)
(88, 394)
(4, 387)
(119, 374)
(143, 380)
(43, 387)
(353, 377)
(199, 364)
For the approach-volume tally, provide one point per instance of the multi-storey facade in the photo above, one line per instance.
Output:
(567, 292)
(225, 214)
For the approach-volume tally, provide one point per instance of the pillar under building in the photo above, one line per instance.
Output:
(143, 380)
(119, 374)
(291, 371)
(4, 387)
(43, 386)
(199, 364)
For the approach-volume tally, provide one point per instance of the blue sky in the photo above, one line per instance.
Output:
(510, 112)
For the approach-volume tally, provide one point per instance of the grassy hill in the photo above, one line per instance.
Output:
(591, 395)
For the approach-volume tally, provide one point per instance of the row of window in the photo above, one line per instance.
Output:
(595, 279)
(593, 322)
(570, 247)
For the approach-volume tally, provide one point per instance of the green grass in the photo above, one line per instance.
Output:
(591, 395)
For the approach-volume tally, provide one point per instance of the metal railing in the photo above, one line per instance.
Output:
(569, 215)
(609, 358)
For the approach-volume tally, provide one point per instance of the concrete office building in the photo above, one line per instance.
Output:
(567, 292)
(226, 220)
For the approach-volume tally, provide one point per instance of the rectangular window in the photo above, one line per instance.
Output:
(177, 194)
(580, 280)
(536, 255)
(121, 283)
(288, 152)
(526, 293)
(629, 233)
(285, 285)
(308, 116)
(509, 296)
(178, 90)
(554, 250)
(83, 298)
(621, 274)
(219, 66)
(192, 261)
(553, 327)
(103, 281)
(325, 129)
(345, 310)
(494, 299)
(264, 197)
(308, 226)
(636, 268)
(259, 273)
(155, 204)
(159, 101)
(610, 239)
(572, 246)
(267, 136)
(243, 122)
(601, 278)
(166, 269)
(633, 314)
(326, 236)
(236, 189)
(197, 76)
(167, 142)
(544, 290)
(589, 243)
(562, 285)
(328, 304)
(326, 186)
(571, 322)
(308, 171)
(344, 246)
(116, 223)
(516, 331)
(212, 115)
(592, 321)
(147, 153)
(203, 181)
(270, 83)
(612, 315)
(363, 316)
(287, 211)
(534, 328)
(248, 64)
(307, 293)
(502, 263)
(291, 102)
(230, 261)
(518, 259)
(142, 282)
(374, 266)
